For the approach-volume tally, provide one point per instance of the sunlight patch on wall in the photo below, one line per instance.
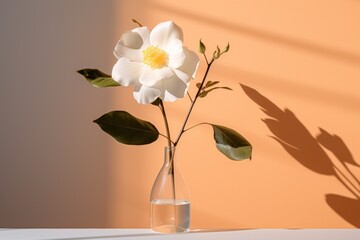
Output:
(301, 75)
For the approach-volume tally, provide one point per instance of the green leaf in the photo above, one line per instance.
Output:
(202, 47)
(127, 129)
(211, 83)
(231, 144)
(226, 48)
(216, 54)
(98, 78)
(204, 93)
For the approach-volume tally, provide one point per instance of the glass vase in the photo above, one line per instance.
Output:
(169, 200)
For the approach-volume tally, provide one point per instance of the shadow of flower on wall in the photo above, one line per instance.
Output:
(309, 151)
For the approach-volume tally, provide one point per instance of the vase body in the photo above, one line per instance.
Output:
(169, 200)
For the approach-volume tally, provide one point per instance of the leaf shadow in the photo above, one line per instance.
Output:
(309, 151)
(337, 146)
(292, 135)
(347, 208)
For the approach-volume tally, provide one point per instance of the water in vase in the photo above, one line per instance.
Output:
(170, 216)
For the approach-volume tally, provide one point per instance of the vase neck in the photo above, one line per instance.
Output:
(169, 154)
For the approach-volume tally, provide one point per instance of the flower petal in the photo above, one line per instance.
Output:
(165, 32)
(151, 76)
(176, 53)
(183, 76)
(132, 43)
(131, 40)
(144, 32)
(191, 63)
(126, 72)
(144, 94)
(174, 88)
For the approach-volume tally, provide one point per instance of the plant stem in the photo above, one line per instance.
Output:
(189, 97)
(193, 102)
(171, 152)
(196, 126)
(162, 108)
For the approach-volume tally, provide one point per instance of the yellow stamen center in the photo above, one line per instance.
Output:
(155, 57)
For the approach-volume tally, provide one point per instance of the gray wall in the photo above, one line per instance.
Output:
(49, 175)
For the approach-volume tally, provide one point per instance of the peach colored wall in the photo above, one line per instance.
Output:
(298, 61)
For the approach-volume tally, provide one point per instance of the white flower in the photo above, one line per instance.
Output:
(155, 62)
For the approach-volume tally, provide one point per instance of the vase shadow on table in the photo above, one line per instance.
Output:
(309, 151)
(115, 236)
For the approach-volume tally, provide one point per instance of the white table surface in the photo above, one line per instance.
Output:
(122, 234)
